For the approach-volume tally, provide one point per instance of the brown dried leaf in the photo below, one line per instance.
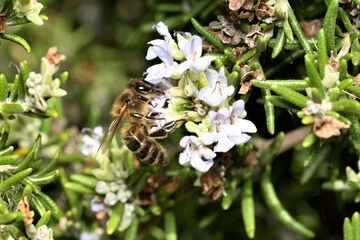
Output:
(328, 127)
(311, 29)
(54, 58)
(248, 4)
(357, 80)
(334, 63)
(209, 181)
(264, 12)
(24, 207)
(254, 33)
(246, 15)
(173, 186)
(239, 51)
(235, 5)
(2, 23)
(211, 185)
(246, 80)
(218, 192)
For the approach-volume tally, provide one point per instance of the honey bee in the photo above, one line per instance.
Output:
(132, 106)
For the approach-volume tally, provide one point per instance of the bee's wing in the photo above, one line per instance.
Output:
(109, 135)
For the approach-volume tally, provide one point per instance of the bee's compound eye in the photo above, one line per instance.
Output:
(127, 102)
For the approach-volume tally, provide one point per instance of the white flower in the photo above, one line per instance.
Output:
(96, 206)
(228, 128)
(91, 144)
(238, 126)
(42, 85)
(98, 234)
(192, 50)
(162, 70)
(29, 8)
(163, 31)
(218, 91)
(42, 233)
(165, 50)
(193, 153)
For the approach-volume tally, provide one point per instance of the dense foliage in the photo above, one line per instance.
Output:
(262, 98)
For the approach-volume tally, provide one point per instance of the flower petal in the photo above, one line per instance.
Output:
(199, 164)
(201, 64)
(163, 30)
(206, 152)
(209, 137)
(155, 73)
(246, 125)
(224, 143)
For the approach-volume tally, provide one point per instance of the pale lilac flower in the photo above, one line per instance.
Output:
(162, 70)
(192, 50)
(218, 91)
(194, 152)
(228, 128)
(163, 50)
(238, 126)
(163, 31)
(91, 144)
(96, 206)
(98, 234)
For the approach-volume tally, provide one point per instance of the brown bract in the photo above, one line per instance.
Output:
(212, 186)
(357, 80)
(212, 181)
(54, 58)
(2, 22)
(235, 5)
(328, 127)
(225, 30)
(334, 63)
(311, 29)
(247, 77)
(254, 33)
(173, 186)
(24, 207)
(238, 52)
(265, 12)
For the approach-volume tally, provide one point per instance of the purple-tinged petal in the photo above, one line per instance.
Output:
(164, 55)
(163, 30)
(196, 47)
(201, 64)
(237, 108)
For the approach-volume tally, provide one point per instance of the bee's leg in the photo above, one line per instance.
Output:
(163, 132)
(140, 116)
